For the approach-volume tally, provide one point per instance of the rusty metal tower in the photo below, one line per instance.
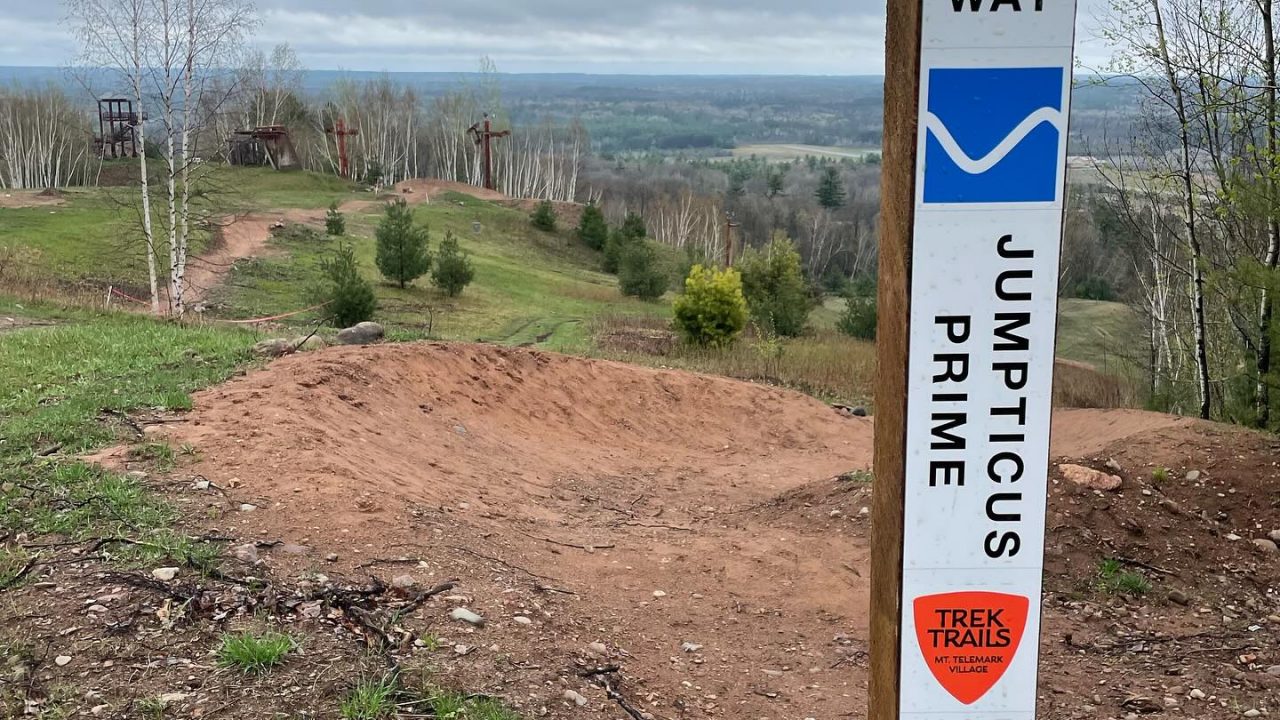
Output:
(341, 132)
(484, 135)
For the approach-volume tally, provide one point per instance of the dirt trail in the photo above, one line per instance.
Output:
(247, 235)
(708, 534)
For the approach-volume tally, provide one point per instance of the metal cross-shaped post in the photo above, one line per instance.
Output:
(341, 132)
(484, 135)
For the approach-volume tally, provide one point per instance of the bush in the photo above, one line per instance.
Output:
(712, 310)
(859, 318)
(633, 227)
(544, 216)
(775, 288)
(348, 297)
(453, 270)
(1093, 288)
(402, 247)
(593, 231)
(334, 223)
(640, 273)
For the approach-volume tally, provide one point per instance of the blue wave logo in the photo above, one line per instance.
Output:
(994, 135)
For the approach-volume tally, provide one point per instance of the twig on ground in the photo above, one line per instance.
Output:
(575, 546)
(658, 526)
(27, 567)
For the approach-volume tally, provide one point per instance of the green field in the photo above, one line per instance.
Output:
(785, 153)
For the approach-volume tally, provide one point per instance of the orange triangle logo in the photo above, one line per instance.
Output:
(969, 639)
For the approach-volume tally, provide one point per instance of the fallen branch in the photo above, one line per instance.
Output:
(425, 596)
(588, 548)
(657, 526)
(27, 567)
(1145, 566)
(617, 697)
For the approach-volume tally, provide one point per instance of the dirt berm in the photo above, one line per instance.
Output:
(708, 537)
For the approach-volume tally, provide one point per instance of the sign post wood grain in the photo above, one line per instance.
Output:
(977, 96)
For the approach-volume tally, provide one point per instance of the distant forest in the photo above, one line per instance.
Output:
(698, 114)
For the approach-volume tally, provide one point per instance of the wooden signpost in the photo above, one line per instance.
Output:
(977, 97)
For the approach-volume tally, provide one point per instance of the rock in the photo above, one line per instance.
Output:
(246, 553)
(835, 513)
(1196, 694)
(598, 649)
(311, 609)
(1274, 536)
(1179, 598)
(1142, 704)
(273, 348)
(362, 334)
(1193, 475)
(1090, 478)
(1113, 466)
(466, 616)
(1266, 546)
(62, 660)
(302, 343)
(659, 593)
(522, 620)
(289, 549)
(168, 699)
(165, 574)
(331, 557)
(864, 511)
(690, 647)
(1232, 537)
(404, 583)
(1274, 670)
(575, 698)
(1253, 713)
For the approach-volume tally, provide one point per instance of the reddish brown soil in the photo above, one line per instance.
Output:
(685, 509)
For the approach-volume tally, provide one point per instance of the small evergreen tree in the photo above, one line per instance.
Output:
(640, 272)
(347, 296)
(777, 180)
(775, 287)
(402, 246)
(712, 311)
(593, 231)
(334, 223)
(633, 227)
(453, 270)
(544, 216)
(831, 193)
(859, 318)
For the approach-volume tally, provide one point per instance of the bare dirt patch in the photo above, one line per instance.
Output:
(697, 544)
(48, 197)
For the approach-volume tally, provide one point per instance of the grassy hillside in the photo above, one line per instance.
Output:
(95, 234)
(1105, 335)
(530, 286)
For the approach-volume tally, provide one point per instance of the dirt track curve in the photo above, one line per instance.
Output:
(697, 530)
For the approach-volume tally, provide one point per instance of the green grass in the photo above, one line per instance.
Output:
(1160, 474)
(530, 286)
(1102, 334)
(95, 235)
(371, 699)
(1115, 580)
(254, 654)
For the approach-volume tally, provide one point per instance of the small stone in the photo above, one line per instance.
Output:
(1274, 670)
(246, 553)
(1253, 713)
(598, 649)
(273, 348)
(98, 709)
(404, 583)
(522, 620)
(165, 574)
(1193, 475)
(170, 698)
(1090, 478)
(575, 698)
(62, 660)
(1196, 694)
(691, 647)
(1232, 537)
(835, 513)
(248, 507)
(1113, 466)
(331, 557)
(1266, 546)
(1179, 598)
(200, 485)
(864, 511)
(466, 616)
(659, 594)
(304, 343)
(96, 609)
(461, 649)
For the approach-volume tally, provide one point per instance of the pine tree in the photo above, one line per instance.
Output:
(334, 223)
(453, 270)
(831, 189)
(402, 247)
(633, 227)
(593, 231)
(544, 216)
(347, 296)
(640, 272)
(777, 179)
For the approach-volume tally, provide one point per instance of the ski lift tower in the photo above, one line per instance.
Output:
(484, 135)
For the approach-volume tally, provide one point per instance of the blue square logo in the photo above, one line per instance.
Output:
(993, 135)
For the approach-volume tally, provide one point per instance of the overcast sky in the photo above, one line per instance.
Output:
(811, 37)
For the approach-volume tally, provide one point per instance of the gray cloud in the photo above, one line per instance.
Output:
(827, 37)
